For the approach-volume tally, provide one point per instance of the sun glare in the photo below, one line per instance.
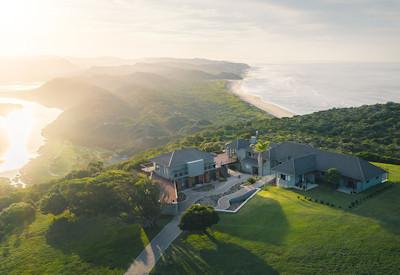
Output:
(21, 23)
(16, 16)
(24, 136)
(17, 125)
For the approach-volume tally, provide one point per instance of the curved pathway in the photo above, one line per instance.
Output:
(224, 202)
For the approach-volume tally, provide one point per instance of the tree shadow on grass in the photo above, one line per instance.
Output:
(218, 258)
(261, 221)
(102, 241)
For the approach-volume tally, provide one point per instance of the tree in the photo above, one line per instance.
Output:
(53, 203)
(16, 215)
(147, 201)
(198, 218)
(333, 176)
(260, 147)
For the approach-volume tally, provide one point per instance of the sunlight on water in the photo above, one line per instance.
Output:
(23, 134)
(20, 86)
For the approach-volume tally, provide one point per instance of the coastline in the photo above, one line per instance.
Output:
(268, 107)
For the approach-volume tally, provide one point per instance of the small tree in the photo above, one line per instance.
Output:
(332, 175)
(198, 218)
(16, 215)
(260, 147)
(147, 201)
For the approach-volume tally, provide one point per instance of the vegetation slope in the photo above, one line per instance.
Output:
(123, 110)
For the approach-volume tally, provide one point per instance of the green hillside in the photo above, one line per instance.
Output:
(126, 111)
(347, 130)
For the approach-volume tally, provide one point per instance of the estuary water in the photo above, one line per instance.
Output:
(21, 133)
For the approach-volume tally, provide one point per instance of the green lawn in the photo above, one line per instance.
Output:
(278, 233)
(327, 193)
(394, 170)
(89, 246)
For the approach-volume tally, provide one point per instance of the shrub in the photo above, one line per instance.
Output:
(252, 180)
(198, 218)
(53, 203)
(14, 216)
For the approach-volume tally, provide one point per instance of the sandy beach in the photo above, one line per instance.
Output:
(256, 101)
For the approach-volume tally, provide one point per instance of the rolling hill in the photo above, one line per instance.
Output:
(130, 108)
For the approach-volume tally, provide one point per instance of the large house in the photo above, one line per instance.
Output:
(186, 167)
(298, 165)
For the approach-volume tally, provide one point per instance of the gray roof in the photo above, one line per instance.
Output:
(182, 156)
(349, 166)
(303, 159)
(299, 165)
(288, 149)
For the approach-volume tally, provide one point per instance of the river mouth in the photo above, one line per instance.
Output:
(21, 135)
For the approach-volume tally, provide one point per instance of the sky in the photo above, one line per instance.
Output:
(248, 31)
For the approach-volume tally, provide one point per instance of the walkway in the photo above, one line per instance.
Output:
(224, 202)
(147, 259)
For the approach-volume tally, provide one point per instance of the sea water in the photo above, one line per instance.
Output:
(307, 88)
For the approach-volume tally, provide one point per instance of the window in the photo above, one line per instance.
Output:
(283, 176)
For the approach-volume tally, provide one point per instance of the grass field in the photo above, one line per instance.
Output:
(394, 171)
(100, 245)
(278, 233)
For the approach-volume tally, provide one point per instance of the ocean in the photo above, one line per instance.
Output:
(307, 88)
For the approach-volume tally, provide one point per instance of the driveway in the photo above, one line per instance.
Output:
(147, 259)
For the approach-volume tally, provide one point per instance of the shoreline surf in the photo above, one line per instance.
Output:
(258, 102)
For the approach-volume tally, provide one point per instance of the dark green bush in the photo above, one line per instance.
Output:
(198, 218)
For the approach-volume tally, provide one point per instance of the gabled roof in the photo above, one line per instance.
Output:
(303, 158)
(349, 166)
(287, 150)
(299, 165)
(181, 156)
